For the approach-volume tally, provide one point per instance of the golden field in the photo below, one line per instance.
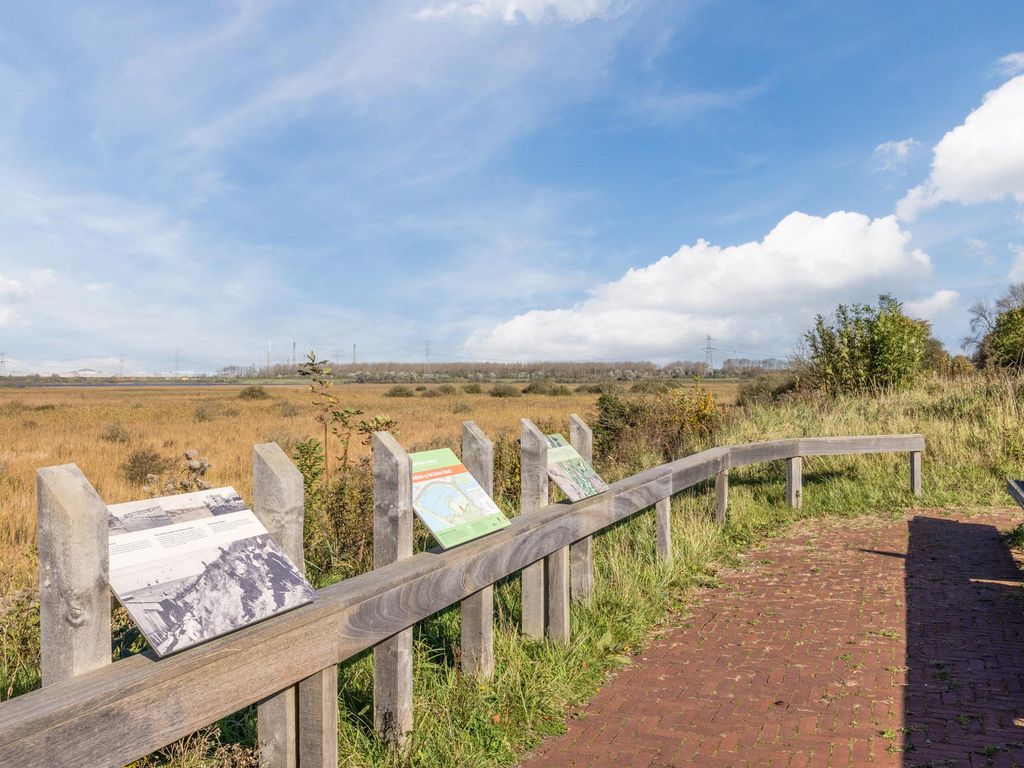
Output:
(59, 425)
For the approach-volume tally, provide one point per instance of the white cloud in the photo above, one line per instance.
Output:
(934, 305)
(532, 11)
(1012, 63)
(892, 155)
(1016, 273)
(981, 160)
(757, 293)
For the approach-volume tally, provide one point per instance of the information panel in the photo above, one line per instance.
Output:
(571, 472)
(449, 500)
(194, 566)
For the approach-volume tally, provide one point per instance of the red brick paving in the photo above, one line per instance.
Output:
(848, 642)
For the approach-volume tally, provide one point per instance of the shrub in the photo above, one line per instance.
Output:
(595, 389)
(546, 387)
(399, 391)
(142, 465)
(649, 387)
(253, 392)
(289, 409)
(116, 433)
(431, 393)
(768, 388)
(421, 388)
(203, 413)
(865, 348)
(631, 433)
(505, 390)
(472, 389)
(447, 389)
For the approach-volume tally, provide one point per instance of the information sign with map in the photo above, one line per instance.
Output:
(571, 472)
(449, 500)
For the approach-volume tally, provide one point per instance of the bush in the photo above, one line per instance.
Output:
(142, 465)
(595, 389)
(505, 390)
(649, 387)
(431, 393)
(768, 388)
(115, 433)
(632, 433)
(472, 389)
(203, 413)
(447, 389)
(399, 391)
(546, 387)
(421, 388)
(253, 392)
(865, 348)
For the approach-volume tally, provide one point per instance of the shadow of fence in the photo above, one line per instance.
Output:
(964, 698)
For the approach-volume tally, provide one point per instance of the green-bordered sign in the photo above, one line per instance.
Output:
(571, 472)
(449, 500)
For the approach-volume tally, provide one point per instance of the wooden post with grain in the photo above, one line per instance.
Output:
(663, 528)
(74, 597)
(533, 486)
(581, 554)
(915, 472)
(299, 725)
(722, 495)
(795, 482)
(478, 609)
(392, 542)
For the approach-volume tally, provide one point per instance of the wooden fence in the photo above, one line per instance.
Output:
(91, 712)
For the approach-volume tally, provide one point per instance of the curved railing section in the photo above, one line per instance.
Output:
(128, 709)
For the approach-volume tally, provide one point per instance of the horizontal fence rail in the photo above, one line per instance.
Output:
(123, 711)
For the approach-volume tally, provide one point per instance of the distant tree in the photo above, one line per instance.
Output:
(1006, 342)
(863, 347)
(994, 337)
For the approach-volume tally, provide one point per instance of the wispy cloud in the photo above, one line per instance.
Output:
(893, 155)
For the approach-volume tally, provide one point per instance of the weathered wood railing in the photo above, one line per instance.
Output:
(113, 714)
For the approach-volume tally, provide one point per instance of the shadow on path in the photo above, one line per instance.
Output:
(964, 696)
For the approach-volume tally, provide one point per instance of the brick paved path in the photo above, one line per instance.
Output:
(857, 642)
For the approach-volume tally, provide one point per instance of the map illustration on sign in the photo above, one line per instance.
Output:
(449, 500)
(571, 472)
(194, 566)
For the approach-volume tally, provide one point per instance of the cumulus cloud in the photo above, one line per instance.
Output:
(1012, 64)
(759, 293)
(892, 155)
(980, 160)
(532, 11)
(1016, 273)
(930, 307)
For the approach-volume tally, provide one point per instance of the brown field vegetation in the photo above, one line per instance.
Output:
(97, 428)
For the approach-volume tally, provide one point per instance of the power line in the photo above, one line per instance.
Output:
(708, 358)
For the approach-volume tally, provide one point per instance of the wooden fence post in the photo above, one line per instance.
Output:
(663, 527)
(721, 495)
(533, 485)
(392, 541)
(74, 598)
(915, 472)
(298, 726)
(581, 554)
(478, 608)
(795, 482)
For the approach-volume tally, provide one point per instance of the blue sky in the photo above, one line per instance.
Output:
(508, 179)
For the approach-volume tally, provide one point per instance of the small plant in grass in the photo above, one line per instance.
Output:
(253, 392)
(472, 388)
(142, 465)
(447, 389)
(505, 390)
(115, 432)
(1015, 538)
(400, 391)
